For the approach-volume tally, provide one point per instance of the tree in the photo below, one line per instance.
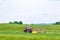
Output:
(10, 22)
(20, 22)
(15, 22)
(57, 22)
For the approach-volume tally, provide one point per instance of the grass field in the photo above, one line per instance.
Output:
(15, 32)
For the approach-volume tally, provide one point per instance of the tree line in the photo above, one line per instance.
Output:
(16, 22)
(20, 22)
(57, 23)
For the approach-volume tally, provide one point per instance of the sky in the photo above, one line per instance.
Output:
(30, 11)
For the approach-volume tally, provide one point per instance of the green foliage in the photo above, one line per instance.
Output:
(15, 22)
(20, 22)
(57, 23)
(32, 24)
(10, 22)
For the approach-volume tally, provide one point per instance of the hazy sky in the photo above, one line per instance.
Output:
(30, 11)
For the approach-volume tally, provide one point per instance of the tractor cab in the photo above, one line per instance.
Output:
(28, 29)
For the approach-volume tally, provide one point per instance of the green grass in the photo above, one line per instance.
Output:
(15, 32)
(30, 37)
